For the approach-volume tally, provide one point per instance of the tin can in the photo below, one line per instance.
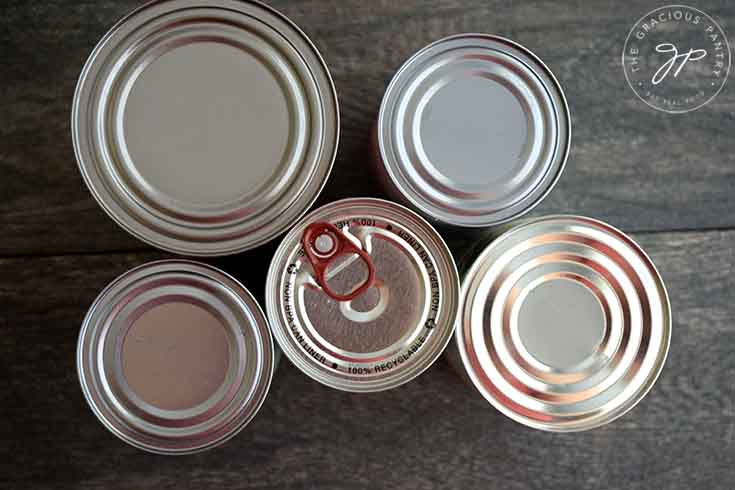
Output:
(564, 323)
(362, 295)
(473, 131)
(175, 357)
(205, 127)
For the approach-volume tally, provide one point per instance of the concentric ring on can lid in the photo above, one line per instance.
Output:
(564, 323)
(175, 357)
(205, 127)
(388, 334)
(474, 130)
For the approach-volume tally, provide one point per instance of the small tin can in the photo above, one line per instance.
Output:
(362, 295)
(473, 131)
(205, 127)
(564, 323)
(175, 357)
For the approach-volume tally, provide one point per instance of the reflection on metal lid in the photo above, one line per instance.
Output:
(564, 323)
(205, 128)
(474, 130)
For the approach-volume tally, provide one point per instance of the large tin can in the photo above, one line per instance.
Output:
(205, 127)
(362, 295)
(564, 323)
(473, 131)
(175, 357)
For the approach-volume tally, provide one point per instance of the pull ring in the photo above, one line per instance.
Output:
(323, 243)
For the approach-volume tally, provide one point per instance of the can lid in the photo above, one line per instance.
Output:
(175, 357)
(564, 323)
(205, 127)
(368, 316)
(474, 130)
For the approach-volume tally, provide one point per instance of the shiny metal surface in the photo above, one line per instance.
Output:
(384, 337)
(130, 414)
(473, 131)
(205, 127)
(564, 323)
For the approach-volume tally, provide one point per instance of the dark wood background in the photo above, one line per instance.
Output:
(668, 179)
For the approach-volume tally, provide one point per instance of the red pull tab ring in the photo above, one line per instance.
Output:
(323, 243)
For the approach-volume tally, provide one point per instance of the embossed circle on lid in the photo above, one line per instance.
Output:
(205, 128)
(564, 323)
(474, 130)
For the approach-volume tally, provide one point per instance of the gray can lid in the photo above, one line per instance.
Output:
(175, 357)
(205, 128)
(474, 130)
(564, 323)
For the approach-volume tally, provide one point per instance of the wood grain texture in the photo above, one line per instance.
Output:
(434, 432)
(637, 168)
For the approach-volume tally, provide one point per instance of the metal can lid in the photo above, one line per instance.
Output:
(474, 130)
(205, 127)
(564, 323)
(397, 325)
(175, 357)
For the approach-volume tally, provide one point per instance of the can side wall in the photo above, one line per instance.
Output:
(377, 168)
(468, 253)
(453, 357)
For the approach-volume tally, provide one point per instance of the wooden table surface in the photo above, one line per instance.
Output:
(667, 179)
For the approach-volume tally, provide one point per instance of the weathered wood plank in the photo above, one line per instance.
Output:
(433, 433)
(635, 167)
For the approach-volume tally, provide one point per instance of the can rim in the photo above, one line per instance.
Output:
(275, 318)
(264, 382)
(189, 249)
(449, 218)
(651, 378)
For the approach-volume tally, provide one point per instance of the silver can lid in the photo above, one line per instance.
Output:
(175, 357)
(474, 130)
(375, 314)
(564, 323)
(205, 127)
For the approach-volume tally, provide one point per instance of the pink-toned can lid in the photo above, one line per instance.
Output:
(175, 357)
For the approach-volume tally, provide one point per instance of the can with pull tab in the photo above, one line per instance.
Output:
(362, 295)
